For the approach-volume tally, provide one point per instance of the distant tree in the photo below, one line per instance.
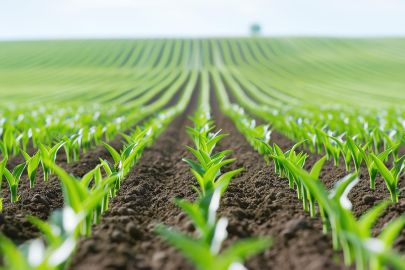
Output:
(255, 29)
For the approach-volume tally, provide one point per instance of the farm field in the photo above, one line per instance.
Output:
(309, 177)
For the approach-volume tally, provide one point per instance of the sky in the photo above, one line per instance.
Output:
(71, 19)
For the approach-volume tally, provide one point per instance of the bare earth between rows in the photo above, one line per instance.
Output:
(256, 203)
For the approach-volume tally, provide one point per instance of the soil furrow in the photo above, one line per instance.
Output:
(44, 197)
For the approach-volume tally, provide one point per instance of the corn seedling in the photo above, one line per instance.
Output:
(2, 168)
(13, 179)
(123, 161)
(203, 251)
(390, 176)
(357, 154)
(344, 149)
(48, 156)
(78, 196)
(371, 167)
(72, 147)
(8, 143)
(61, 235)
(32, 165)
(208, 168)
(389, 142)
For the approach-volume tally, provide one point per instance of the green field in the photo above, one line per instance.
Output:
(65, 104)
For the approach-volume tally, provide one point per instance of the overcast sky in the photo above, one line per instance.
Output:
(54, 19)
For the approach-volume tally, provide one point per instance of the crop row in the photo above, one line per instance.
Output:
(204, 249)
(84, 202)
(329, 102)
(350, 234)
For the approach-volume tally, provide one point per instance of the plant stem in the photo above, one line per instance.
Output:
(46, 174)
(13, 190)
(97, 217)
(394, 196)
(372, 182)
(291, 181)
(105, 203)
(312, 208)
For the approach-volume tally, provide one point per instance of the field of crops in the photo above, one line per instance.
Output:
(210, 154)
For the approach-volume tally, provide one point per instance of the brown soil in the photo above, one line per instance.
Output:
(44, 197)
(256, 203)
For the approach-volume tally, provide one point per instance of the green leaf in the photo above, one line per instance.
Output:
(13, 257)
(200, 170)
(317, 168)
(74, 191)
(341, 188)
(194, 187)
(26, 156)
(2, 167)
(18, 170)
(86, 179)
(54, 150)
(114, 154)
(210, 144)
(367, 220)
(205, 156)
(200, 180)
(9, 177)
(221, 154)
(386, 174)
(242, 249)
(44, 154)
(226, 178)
(391, 231)
(397, 168)
(212, 172)
(296, 145)
(192, 249)
(194, 213)
(33, 166)
(45, 228)
(107, 166)
(198, 156)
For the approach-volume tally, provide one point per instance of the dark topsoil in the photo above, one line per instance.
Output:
(256, 203)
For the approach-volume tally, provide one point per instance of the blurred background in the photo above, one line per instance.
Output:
(69, 19)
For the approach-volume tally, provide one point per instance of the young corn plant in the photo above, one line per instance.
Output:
(390, 176)
(351, 234)
(203, 251)
(48, 156)
(8, 143)
(72, 147)
(389, 142)
(380, 248)
(78, 195)
(376, 133)
(32, 165)
(13, 179)
(299, 160)
(207, 171)
(86, 138)
(314, 174)
(123, 161)
(371, 167)
(60, 234)
(357, 154)
(344, 149)
(2, 167)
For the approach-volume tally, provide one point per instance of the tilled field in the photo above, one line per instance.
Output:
(186, 75)
(257, 203)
